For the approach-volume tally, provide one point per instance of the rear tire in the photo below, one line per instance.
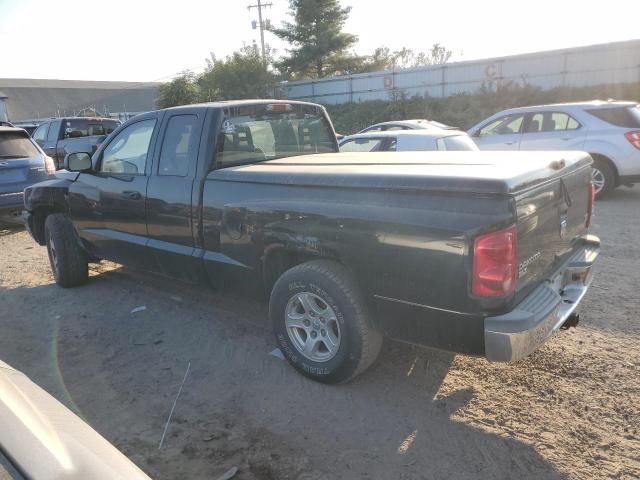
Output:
(603, 177)
(67, 258)
(321, 323)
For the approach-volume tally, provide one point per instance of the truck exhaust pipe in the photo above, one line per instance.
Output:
(572, 321)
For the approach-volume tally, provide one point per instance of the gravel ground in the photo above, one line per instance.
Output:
(571, 410)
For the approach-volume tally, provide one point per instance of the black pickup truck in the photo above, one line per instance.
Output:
(482, 253)
(60, 136)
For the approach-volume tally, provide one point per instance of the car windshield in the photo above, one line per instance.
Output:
(16, 145)
(626, 117)
(256, 133)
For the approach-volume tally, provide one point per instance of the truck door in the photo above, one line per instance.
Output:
(170, 198)
(108, 204)
(51, 144)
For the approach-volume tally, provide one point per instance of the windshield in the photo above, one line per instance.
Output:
(257, 133)
(16, 145)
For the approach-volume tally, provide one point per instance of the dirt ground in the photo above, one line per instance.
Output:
(572, 410)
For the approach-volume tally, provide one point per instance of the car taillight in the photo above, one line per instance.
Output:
(634, 138)
(495, 263)
(49, 165)
(592, 199)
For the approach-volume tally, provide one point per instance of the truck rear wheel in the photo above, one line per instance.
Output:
(321, 323)
(67, 258)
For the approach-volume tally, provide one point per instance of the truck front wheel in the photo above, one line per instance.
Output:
(67, 258)
(321, 323)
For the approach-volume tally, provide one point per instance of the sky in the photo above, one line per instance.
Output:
(146, 40)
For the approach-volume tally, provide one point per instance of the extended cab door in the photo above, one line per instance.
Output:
(108, 204)
(551, 131)
(171, 202)
(503, 133)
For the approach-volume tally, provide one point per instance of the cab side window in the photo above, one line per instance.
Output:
(179, 146)
(551, 122)
(40, 135)
(127, 152)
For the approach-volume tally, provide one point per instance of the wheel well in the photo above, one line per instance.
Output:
(280, 260)
(602, 158)
(40, 215)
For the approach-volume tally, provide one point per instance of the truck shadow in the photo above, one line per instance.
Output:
(7, 229)
(120, 371)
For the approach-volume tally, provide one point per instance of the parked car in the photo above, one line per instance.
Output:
(22, 163)
(60, 136)
(41, 439)
(609, 131)
(474, 252)
(407, 141)
(414, 124)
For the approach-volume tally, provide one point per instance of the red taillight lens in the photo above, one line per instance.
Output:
(495, 263)
(592, 199)
(634, 138)
(279, 107)
(49, 165)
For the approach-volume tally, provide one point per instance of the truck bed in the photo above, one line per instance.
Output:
(474, 172)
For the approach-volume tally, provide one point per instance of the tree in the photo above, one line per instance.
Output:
(319, 46)
(182, 90)
(242, 74)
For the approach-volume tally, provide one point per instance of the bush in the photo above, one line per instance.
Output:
(465, 110)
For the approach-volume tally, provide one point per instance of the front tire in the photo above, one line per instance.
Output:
(603, 178)
(67, 258)
(321, 323)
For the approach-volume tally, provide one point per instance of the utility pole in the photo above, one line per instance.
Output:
(260, 6)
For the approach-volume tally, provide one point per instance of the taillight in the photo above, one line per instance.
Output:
(634, 138)
(49, 165)
(592, 199)
(279, 107)
(495, 263)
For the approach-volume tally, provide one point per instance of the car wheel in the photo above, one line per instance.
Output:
(603, 178)
(321, 322)
(67, 258)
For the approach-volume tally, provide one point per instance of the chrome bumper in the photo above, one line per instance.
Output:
(516, 334)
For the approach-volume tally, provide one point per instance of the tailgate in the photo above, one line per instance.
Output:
(551, 221)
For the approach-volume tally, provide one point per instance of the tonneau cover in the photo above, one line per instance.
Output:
(475, 172)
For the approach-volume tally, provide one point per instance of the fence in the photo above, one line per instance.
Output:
(617, 62)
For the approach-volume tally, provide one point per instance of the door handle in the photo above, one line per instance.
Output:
(131, 195)
(566, 139)
(509, 143)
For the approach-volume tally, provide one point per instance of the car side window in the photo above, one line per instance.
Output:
(40, 135)
(507, 125)
(127, 152)
(551, 122)
(54, 131)
(178, 146)
(396, 127)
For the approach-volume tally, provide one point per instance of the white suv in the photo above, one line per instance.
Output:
(609, 131)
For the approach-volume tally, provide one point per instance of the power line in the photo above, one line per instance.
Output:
(259, 6)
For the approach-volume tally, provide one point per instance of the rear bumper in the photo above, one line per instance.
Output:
(516, 334)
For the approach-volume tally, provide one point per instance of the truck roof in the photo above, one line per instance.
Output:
(234, 103)
(473, 172)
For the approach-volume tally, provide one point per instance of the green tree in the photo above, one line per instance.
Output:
(242, 74)
(182, 90)
(319, 47)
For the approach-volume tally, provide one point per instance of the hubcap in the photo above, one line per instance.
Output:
(312, 326)
(597, 177)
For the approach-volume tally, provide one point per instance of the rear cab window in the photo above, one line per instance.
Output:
(16, 145)
(625, 117)
(88, 127)
(255, 133)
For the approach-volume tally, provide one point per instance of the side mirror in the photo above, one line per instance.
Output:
(78, 162)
